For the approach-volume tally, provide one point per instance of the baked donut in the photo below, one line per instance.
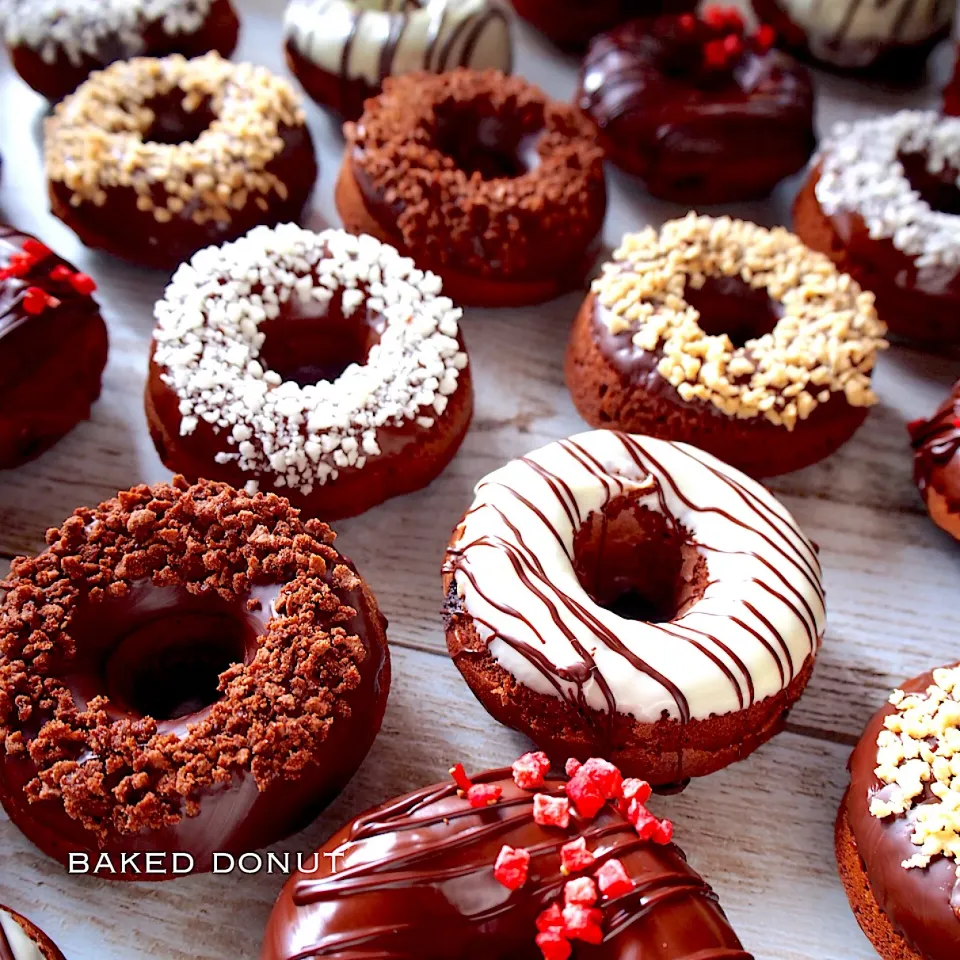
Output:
(54, 347)
(698, 110)
(56, 44)
(21, 940)
(893, 39)
(571, 23)
(729, 336)
(184, 670)
(153, 159)
(898, 831)
(596, 874)
(480, 178)
(321, 366)
(635, 599)
(342, 51)
(936, 462)
(883, 202)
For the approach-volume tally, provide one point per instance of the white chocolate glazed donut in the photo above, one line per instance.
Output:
(14, 941)
(371, 40)
(761, 615)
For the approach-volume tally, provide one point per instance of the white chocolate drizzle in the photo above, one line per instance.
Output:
(14, 942)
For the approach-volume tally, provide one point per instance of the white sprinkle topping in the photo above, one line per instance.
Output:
(208, 342)
(860, 172)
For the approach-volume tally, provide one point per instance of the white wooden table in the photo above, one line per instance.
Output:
(761, 831)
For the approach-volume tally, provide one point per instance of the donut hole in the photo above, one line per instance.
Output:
(173, 123)
(495, 147)
(312, 341)
(636, 563)
(159, 651)
(939, 190)
(731, 306)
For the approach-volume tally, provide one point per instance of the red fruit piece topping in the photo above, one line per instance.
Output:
(35, 301)
(550, 919)
(551, 811)
(664, 832)
(36, 249)
(604, 776)
(512, 866)
(643, 821)
(715, 55)
(582, 923)
(572, 766)
(582, 891)
(530, 769)
(613, 880)
(634, 789)
(61, 272)
(460, 777)
(83, 284)
(765, 37)
(483, 795)
(723, 18)
(554, 945)
(732, 45)
(585, 795)
(575, 857)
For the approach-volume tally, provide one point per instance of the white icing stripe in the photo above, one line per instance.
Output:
(861, 172)
(762, 613)
(868, 21)
(22, 947)
(372, 39)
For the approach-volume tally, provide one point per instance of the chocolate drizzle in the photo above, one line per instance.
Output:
(507, 602)
(416, 882)
(936, 444)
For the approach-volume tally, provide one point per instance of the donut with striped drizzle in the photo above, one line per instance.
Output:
(760, 617)
(15, 942)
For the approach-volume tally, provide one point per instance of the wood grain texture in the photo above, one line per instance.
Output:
(761, 831)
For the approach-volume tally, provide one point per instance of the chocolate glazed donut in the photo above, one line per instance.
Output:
(415, 881)
(936, 462)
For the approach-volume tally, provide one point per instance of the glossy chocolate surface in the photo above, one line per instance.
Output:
(415, 882)
(936, 445)
(922, 904)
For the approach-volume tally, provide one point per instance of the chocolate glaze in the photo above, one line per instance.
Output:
(678, 125)
(951, 96)
(936, 445)
(416, 883)
(920, 903)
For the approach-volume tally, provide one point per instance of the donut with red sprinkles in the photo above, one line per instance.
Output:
(184, 669)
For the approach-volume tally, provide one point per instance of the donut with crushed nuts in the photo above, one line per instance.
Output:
(153, 159)
(56, 44)
(54, 347)
(730, 336)
(322, 366)
(619, 596)
(480, 178)
(936, 462)
(22, 940)
(183, 670)
(883, 202)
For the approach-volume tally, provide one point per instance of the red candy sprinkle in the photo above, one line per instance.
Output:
(587, 798)
(723, 18)
(664, 832)
(35, 301)
(634, 789)
(554, 945)
(575, 857)
(732, 45)
(511, 867)
(61, 272)
(551, 811)
(530, 769)
(460, 777)
(582, 923)
(483, 794)
(36, 249)
(715, 54)
(765, 37)
(613, 880)
(582, 891)
(573, 765)
(643, 821)
(604, 776)
(550, 919)
(83, 284)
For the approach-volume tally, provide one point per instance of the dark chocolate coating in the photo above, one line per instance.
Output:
(920, 903)
(416, 883)
(936, 446)
(693, 134)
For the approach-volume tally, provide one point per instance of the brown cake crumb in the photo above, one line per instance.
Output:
(272, 713)
(484, 221)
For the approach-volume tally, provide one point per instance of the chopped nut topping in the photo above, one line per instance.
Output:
(825, 342)
(95, 141)
(919, 751)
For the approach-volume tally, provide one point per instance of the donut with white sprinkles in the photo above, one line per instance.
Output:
(56, 44)
(883, 201)
(323, 366)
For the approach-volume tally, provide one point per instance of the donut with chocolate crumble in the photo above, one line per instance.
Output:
(620, 596)
(21, 940)
(697, 108)
(184, 669)
(883, 202)
(480, 178)
(153, 159)
(56, 44)
(321, 366)
(732, 337)
(54, 347)
(936, 462)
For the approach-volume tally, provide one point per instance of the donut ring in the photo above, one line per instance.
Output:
(111, 642)
(724, 334)
(491, 185)
(21, 940)
(341, 52)
(54, 347)
(883, 201)
(152, 160)
(240, 391)
(936, 462)
(723, 594)
(56, 44)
